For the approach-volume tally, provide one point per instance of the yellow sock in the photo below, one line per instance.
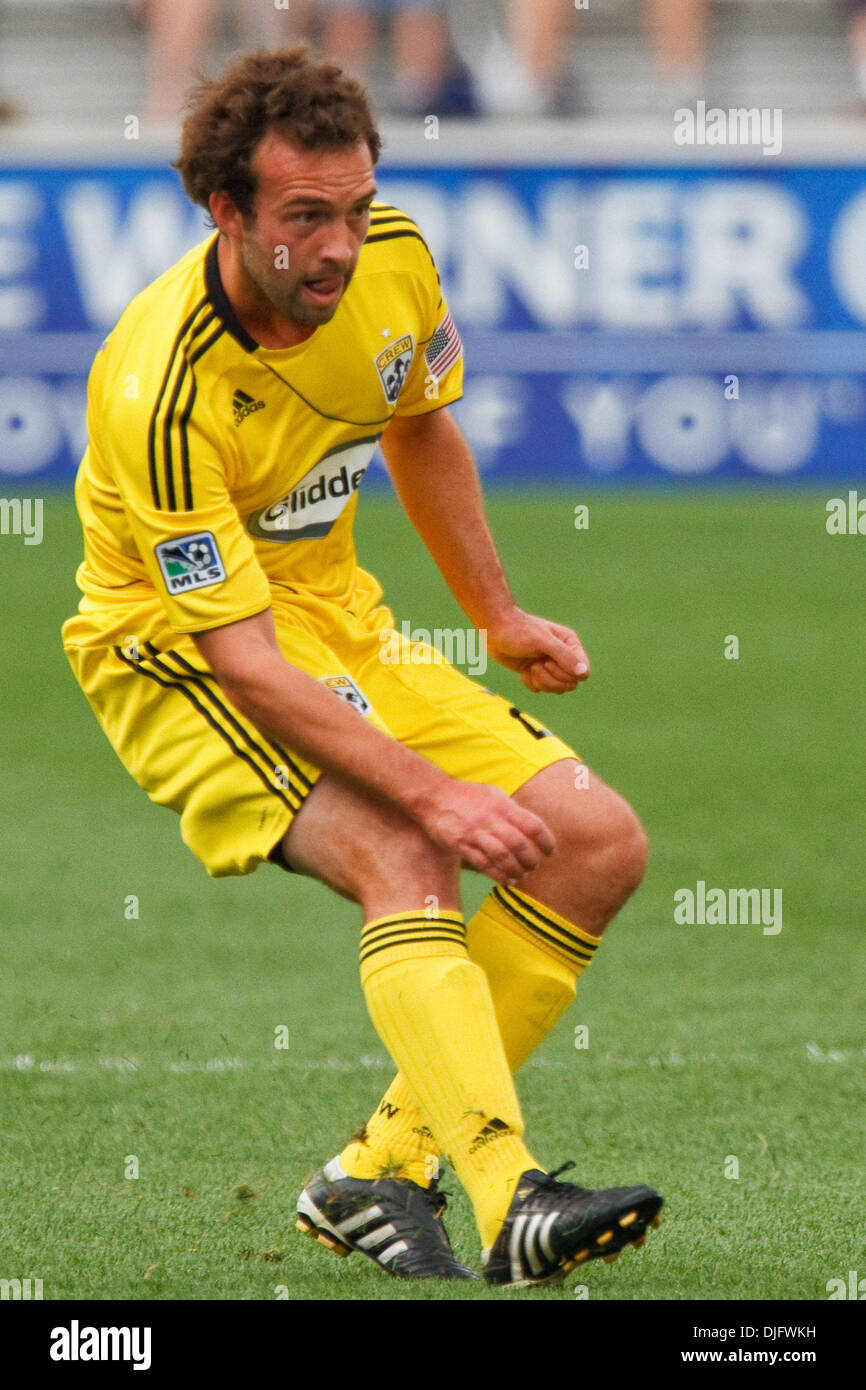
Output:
(432, 1008)
(395, 1142)
(532, 957)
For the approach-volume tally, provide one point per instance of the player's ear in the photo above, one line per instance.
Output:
(225, 214)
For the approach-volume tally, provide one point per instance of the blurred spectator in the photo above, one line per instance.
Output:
(527, 74)
(857, 47)
(178, 32)
(429, 77)
(678, 38)
(9, 111)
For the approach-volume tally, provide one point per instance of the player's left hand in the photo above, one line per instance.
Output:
(547, 656)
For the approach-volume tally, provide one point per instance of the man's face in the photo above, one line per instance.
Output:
(311, 214)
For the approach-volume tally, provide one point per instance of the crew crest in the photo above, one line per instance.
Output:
(393, 365)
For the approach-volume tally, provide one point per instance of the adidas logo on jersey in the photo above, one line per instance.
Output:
(244, 405)
(494, 1129)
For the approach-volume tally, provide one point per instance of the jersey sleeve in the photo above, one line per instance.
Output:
(436, 375)
(170, 467)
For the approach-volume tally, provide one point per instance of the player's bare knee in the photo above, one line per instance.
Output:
(633, 851)
(611, 852)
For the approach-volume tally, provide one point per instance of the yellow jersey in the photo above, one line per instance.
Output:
(219, 474)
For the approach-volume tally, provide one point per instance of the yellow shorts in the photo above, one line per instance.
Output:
(235, 790)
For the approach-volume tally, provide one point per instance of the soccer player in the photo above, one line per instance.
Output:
(232, 650)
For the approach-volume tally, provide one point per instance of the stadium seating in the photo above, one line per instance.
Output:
(82, 60)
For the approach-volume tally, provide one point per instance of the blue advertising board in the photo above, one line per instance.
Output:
(621, 325)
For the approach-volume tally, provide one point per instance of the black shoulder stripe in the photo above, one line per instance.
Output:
(392, 236)
(410, 231)
(183, 423)
(168, 420)
(161, 439)
(184, 444)
(151, 436)
(209, 342)
(397, 217)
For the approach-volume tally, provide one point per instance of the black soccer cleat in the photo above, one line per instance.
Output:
(552, 1226)
(394, 1222)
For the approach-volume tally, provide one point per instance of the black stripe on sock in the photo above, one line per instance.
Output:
(548, 921)
(367, 942)
(537, 931)
(409, 925)
(417, 941)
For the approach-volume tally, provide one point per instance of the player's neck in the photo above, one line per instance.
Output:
(256, 314)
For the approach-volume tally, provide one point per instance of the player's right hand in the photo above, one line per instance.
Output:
(490, 832)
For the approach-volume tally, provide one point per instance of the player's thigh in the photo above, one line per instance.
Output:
(452, 720)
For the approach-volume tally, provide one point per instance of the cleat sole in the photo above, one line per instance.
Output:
(615, 1233)
(632, 1229)
(330, 1244)
(308, 1229)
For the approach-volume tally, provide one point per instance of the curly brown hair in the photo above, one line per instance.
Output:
(310, 102)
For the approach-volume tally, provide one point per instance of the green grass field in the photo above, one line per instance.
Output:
(155, 1037)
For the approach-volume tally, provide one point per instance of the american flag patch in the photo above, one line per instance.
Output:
(444, 348)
